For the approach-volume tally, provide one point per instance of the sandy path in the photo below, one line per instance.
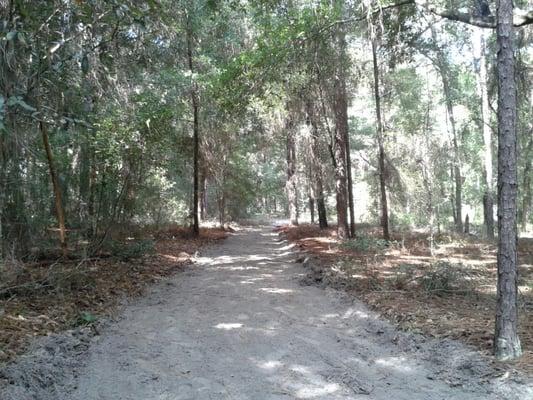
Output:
(239, 326)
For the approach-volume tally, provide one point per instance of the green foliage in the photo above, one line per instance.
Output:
(407, 86)
(131, 249)
(113, 85)
(85, 318)
(444, 277)
(365, 244)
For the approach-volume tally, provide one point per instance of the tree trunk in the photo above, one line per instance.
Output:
(442, 65)
(57, 190)
(221, 200)
(340, 107)
(3, 187)
(350, 185)
(488, 201)
(452, 196)
(488, 213)
(196, 133)
(316, 167)
(86, 166)
(203, 197)
(345, 131)
(526, 200)
(312, 208)
(92, 215)
(323, 112)
(457, 174)
(381, 149)
(340, 161)
(426, 178)
(291, 187)
(526, 186)
(506, 342)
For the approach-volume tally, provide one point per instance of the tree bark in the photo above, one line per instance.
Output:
(452, 195)
(527, 198)
(381, 149)
(350, 185)
(340, 161)
(342, 124)
(57, 190)
(203, 197)
(3, 187)
(442, 65)
(316, 167)
(221, 201)
(506, 341)
(343, 103)
(291, 186)
(340, 106)
(196, 132)
(426, 178)
(488, 200)
(312, 208)
(526, 186)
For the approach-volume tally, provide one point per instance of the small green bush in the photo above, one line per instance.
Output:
(365, 244)
(84, 319)
(444, 277)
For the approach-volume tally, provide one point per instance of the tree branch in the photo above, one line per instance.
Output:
(520, 18)
(482, 22)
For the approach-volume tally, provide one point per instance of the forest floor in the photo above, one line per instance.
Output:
(241, 324)
(450, 293)
(49, 295)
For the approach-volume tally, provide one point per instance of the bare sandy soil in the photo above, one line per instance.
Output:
(239, 325)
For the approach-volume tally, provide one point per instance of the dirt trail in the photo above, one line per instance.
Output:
(238, 325)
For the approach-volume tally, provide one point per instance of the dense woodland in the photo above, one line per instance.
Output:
(410, 115)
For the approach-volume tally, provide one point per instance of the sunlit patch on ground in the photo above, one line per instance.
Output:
(306, 384)
(287, 247)
(277, 290)
(270, 365)
(239, 268)
(228, 326)
(399, 364)
(250, 281)
(313, 392)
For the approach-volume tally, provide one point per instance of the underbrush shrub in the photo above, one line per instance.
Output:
(43, 249)
(438, 279)
(364, 244)
(356, 274)
(12, 274)
(444, 277)
(404, 276)
(19, 279)
(130, 250)
(70, 280)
